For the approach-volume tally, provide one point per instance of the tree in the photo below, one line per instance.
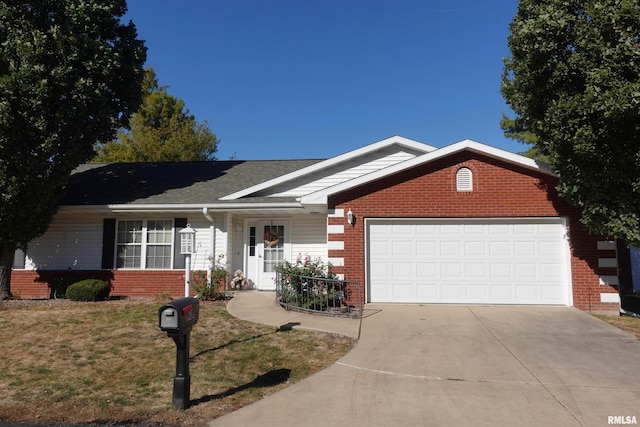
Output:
(161, 130)
(573, 80)
(511, 130)
(70, 74)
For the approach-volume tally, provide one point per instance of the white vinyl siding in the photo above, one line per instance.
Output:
(71, 241)
(75, 241)
(340, 173)
(309, 236)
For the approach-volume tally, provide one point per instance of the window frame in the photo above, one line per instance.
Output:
(145, 244)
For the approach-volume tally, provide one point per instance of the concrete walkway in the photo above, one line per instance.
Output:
(261, 307)
(435, 365)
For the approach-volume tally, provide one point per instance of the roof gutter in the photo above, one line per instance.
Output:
(205, 212)
(222, 207)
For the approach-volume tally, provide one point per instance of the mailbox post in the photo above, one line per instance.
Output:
(177, 319)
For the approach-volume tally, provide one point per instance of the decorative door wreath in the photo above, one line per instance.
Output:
(271, 237)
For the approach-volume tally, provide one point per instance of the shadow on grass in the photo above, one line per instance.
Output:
(283, 328)
(269, 379)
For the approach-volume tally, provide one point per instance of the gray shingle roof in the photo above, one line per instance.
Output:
(172, 182)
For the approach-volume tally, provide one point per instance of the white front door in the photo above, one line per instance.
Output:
(272, 248)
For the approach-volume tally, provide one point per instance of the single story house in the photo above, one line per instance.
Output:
(463, 224)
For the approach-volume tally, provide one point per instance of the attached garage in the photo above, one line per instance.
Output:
(468, 261)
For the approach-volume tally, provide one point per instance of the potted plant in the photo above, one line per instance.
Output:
(238, 281)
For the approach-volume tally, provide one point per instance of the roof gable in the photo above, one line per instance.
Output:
(320, 197)
(339, 169)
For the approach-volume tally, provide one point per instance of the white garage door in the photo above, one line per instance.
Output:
(501, 261)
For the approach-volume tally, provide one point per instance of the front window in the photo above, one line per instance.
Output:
(159, 239)
(144, 244)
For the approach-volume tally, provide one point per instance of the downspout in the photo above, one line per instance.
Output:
(212, 239)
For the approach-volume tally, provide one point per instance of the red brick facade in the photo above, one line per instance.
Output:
(500, 189)
(131, 283)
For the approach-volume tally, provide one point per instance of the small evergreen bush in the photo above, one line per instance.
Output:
(89, 290)
(631, 303)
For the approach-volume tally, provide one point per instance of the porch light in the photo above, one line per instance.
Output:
(187, 240)
(350, 217)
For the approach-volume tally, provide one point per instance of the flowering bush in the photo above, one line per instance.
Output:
(238, 281)
(294, 289)
(218, 269)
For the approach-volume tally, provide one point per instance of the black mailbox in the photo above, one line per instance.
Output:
(179, 316)
(177, 319)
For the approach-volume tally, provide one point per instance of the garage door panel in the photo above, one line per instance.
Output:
(452, 292)
(426, 248)
(427, 292)
(448, 247)
(551, 292)
(402, 269)
(450, 269)
(524, 229)
(403, 291)
(474, 261)
(401, 229)
(550, 271)
(426, 270)
(475, 270)
(380, 249)
(525, 249)
(475, 248)
(550, 249)
(447, 229)
(402, 248)
(501, 293)
(476, 292)
(380, 269)
(499, 248)
(500, 270)
(497, 229)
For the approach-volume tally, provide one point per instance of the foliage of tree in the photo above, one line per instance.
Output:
(573, 80)
(510, 129)
(161, 130)
(70, 73)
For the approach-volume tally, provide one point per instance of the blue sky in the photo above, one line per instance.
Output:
(280, 79)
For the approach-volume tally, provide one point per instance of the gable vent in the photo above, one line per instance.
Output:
(464, 180)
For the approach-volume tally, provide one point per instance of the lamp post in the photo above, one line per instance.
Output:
(187, 245)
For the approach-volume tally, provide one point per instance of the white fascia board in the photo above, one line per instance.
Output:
(320, 197)
(222, 207)
(331, 162)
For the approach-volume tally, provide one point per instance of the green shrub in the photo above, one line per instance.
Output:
(206, 291)
(89, 290)
(631, 303)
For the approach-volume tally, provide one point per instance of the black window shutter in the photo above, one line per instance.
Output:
(108, 242)
(178, 259)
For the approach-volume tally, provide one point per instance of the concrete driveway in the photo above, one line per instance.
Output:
(434, 365)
